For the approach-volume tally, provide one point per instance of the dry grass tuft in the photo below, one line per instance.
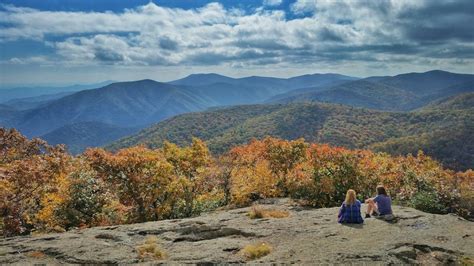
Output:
(36, 254)
(258, 212)
(467, 261)
(256, 251)
(150, 250)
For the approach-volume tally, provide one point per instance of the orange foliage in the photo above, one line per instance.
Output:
(33, 185)
(43, 188)
(321, 174)
(14, 146)
(138, 176)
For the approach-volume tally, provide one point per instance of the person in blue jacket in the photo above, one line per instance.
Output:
(350, 209)
(380, 206)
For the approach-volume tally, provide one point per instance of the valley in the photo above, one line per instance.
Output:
(327, 108)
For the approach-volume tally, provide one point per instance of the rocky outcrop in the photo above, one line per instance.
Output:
(306, 236)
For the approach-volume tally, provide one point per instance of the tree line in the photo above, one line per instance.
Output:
(43, 188)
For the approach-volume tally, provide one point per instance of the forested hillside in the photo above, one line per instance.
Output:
(452, 143)
(445, 133)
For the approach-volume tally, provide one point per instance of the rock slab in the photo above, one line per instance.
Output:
(307, 236)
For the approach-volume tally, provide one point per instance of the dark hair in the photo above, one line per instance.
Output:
(381, 190)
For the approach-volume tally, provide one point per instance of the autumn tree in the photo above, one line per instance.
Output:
(42, 188)
(33, 184)
(252, 176)
(191, 166)
(15, 146)
(89, 202)
(283, 156)
(140, 177)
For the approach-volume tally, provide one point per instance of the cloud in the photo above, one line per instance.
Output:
(322, 32)
(28, 60)
(272, 2)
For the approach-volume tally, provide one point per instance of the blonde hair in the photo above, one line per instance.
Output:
(350, 197)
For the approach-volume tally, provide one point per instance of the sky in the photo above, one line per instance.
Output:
(86, 41)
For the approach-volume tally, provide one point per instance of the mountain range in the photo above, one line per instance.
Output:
(119, 109)
(444, 130)
(138, 104)
(7, 94)
(403, 92)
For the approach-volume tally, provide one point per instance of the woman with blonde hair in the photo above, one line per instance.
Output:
(350, 209)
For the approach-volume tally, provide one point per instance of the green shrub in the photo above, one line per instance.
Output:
(428, 201)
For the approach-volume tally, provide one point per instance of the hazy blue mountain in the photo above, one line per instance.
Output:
(141, 103)
(231, 94)
(125, 104)
(287, 96)
(262, 88)
(318, 80)
(7, 113)
(399, 93)
(243, 91)
(35, 101)
(376, 78)
(202, 79)
(138, 104)
(25, 92)
(423, 84)
(79, 136)
(362, 93)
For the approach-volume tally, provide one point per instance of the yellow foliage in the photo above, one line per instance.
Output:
(44, 188)
(257, 180)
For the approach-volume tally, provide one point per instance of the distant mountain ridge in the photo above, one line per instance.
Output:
(446, 133)
(254, 89)
(360, 93)
(126, 104)
(139, 104)
(426, 83)
(402, 92)
(35, 101)
(28, 92)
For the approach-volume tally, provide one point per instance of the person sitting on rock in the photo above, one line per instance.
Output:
(380, 206)
(350, 209)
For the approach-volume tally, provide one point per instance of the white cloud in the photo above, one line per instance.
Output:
(272, 2)
(333, 32)
(28, 60)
